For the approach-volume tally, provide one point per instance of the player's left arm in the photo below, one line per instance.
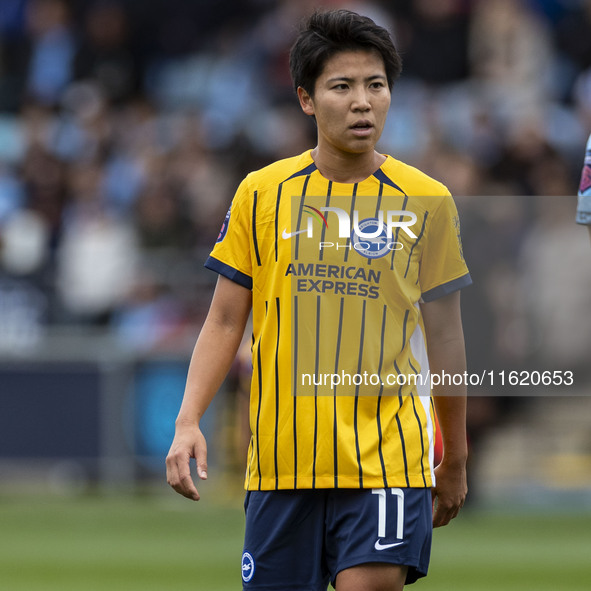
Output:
(446, 349)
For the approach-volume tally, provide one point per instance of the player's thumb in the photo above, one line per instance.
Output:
(201, 458)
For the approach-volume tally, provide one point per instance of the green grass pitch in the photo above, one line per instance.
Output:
(164, 542)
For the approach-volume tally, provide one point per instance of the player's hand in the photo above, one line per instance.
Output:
(450, 492)
(188, 443)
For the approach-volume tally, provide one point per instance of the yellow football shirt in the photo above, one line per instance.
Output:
(339, 393)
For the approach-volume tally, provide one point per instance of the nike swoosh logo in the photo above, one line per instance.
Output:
(379, 546)
(287, 235)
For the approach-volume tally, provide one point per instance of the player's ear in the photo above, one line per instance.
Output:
(306, 101)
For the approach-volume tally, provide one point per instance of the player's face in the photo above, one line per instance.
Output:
(350, 103)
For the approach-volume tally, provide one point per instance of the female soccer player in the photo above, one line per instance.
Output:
(351, 263)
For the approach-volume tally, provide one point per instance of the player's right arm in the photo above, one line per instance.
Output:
(212, 358)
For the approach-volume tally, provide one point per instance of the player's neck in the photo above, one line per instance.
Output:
(342, 167)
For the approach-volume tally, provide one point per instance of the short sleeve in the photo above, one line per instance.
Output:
(443, 269)
(231, 254)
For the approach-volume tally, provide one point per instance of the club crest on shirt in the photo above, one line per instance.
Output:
(371, 239)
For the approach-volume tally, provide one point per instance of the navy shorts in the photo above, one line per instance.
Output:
(301, 539)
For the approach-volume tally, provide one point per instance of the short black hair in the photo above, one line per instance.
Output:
(324, 34)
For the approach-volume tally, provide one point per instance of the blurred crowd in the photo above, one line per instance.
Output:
(125, 127)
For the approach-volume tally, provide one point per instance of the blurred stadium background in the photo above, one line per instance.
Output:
(124, 129)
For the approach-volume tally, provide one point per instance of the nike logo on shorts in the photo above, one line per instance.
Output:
(379, 546)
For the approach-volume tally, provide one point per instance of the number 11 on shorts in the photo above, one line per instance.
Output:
(399, 493)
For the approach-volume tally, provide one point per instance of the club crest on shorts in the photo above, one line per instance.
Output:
(247, 567)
